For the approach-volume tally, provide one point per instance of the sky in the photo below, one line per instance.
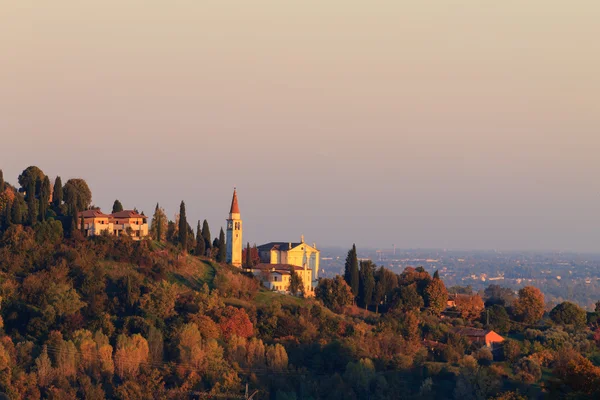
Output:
(422, 124)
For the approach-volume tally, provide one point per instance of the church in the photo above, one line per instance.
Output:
(277, 258)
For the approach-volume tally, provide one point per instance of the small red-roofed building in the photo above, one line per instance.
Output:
(483, 336)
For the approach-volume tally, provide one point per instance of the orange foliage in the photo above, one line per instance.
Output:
(235, 321)
(470, 307)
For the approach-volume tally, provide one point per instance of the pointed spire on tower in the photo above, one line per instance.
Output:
(235, 208)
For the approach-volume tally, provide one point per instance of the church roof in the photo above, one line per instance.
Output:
(235, 208)
(283, 246)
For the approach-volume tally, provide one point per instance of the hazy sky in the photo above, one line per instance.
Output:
(447, 124)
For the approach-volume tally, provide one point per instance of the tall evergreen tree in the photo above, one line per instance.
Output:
(6, 219)
(82, 225)
(200, 246)
(366, 282)
(57, 194)
(117, 207)
(1, 181)
(351, 274)
(32, 206)
(183, 227)
(44, 198)
(73, 214)
(206, 235)
(222, 255)
(159, 225)
(248, 256)
(15, 212)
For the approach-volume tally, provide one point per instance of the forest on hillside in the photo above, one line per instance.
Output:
(109, 317)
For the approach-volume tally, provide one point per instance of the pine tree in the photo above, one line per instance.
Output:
(32, 207)
(57, 194)
(222, 256)
(183, 227)
(200, 247)
(206, 235)
(15, 212)
(117, 207)
(44, 198)
(351, 274)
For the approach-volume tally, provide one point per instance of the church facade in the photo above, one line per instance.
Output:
(299, 254)
(234, 233)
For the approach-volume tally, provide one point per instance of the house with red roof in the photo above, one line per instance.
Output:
(126, 222)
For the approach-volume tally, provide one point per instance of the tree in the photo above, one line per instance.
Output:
(334, 293)
(158, 227)
(77, 191)
(183, 227)
(406, 298)
(200, 247)
(117, 207)
(366, 283)
(248, 259)
(32, 205)
(498, 318)
(296, 284)
(222, 255)
(57, 194)
(529, 306)
(351, 274)
(436, 295)
(1, 181)
(567, 313)
(30, 175)
(496, 294)
(44, 198)
(470, 307)
(15, 212)
(206, 235)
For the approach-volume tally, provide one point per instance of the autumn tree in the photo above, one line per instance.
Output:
(436, 295)
(529, 306)
(235, 321)
(158, 227)
(131, 352)
(351, 273)
(276, 357)
(183, 231)
(366, 285)
(470, 307)
(567, 313)
(117, 207)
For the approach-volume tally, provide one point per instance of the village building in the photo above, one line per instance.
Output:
(127, 222)
(299, 254)
(482, 336)
(277, 277)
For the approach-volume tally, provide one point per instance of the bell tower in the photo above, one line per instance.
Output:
(234, 233)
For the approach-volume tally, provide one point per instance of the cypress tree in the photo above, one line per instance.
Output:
(206, 235)
(117, 207)
(44, 198)
(1, 181)
(248, 256)
(32, 207)
(183, 227)
(73, 211)
(15, 212)
(82, 225)
(436, 274)
(222, 256)
(351, 274)
(367, 282)
(200, 247)
(7, 215)
(57, 194)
